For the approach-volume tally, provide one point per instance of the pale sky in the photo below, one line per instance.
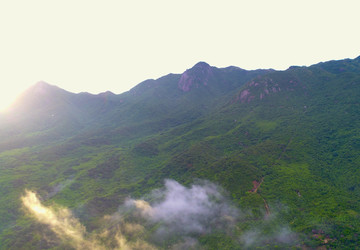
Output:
(100, 45)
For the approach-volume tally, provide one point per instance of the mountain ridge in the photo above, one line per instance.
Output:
(200, 65)
(294, 131)
(43, 86)
(161, 95)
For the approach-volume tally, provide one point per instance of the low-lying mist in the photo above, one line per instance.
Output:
(172, 217)
(198, 209)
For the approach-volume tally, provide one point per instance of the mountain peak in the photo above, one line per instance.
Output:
(106, 93)
(201, 65)
(41, 88)
(40, 94)
(42, 84)
(199, 74)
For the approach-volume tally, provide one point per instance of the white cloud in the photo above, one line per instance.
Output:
(174, 215)
(175, 211)
(181, 210)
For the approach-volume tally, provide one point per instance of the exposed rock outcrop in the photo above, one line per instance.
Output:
(198, 75)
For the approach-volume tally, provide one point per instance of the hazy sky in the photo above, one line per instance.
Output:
(99, 45)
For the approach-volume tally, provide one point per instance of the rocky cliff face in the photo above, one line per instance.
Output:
(198, 75)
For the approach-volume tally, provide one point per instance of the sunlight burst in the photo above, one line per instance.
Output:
(7, 98)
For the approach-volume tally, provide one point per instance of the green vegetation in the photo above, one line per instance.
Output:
(283, 145)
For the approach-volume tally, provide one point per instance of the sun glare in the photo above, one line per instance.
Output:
(7, 98)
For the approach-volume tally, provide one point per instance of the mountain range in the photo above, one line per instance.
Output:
(281, 148)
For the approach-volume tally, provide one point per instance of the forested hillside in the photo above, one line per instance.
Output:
(214, 158)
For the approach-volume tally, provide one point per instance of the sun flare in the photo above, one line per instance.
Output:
(8, 97)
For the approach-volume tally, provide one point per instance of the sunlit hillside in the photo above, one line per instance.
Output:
(214, 158)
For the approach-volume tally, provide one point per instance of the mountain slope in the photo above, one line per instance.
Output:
(44, 108)
(283, 144)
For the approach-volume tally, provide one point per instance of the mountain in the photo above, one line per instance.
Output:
(53, 113)
(282, 145)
